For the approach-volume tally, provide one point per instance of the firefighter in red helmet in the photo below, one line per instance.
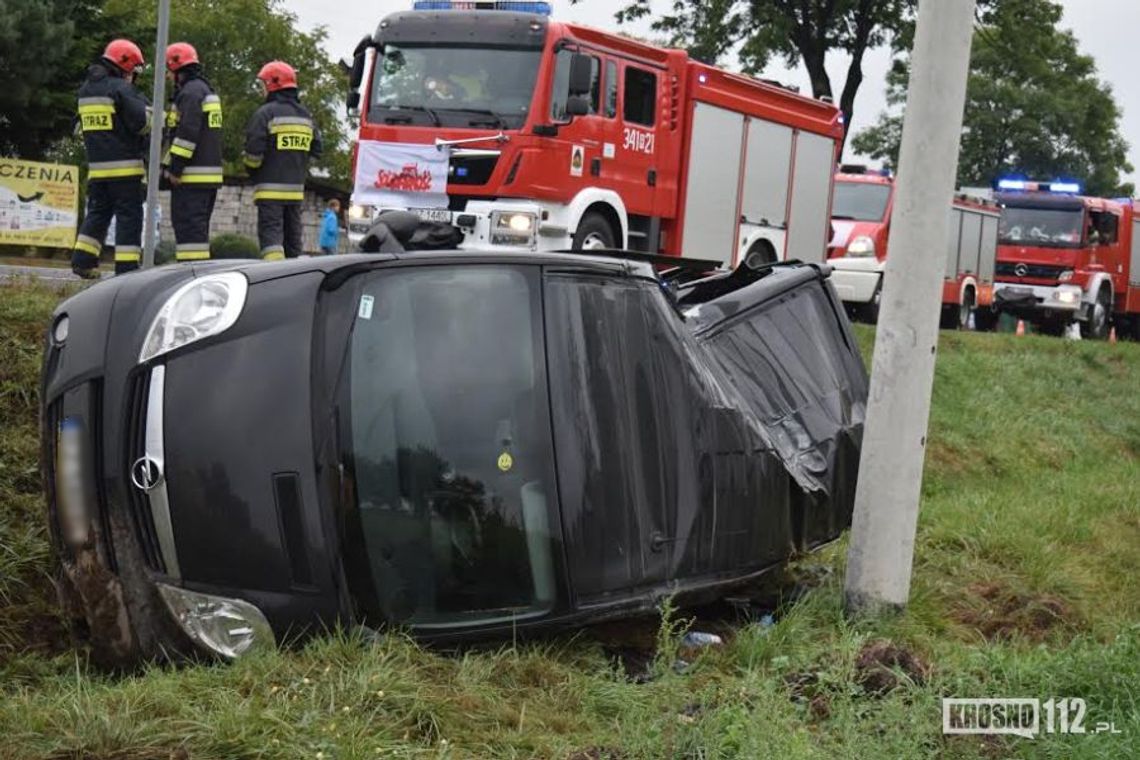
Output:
(280, 139)
(193, 161)
(113, 118)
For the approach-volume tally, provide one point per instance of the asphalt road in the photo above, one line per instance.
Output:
(46, 274)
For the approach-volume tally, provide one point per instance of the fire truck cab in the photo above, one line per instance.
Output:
(524, 133)
(861, 218)
(1065, 257)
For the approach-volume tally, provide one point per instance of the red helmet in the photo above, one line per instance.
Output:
(124, 55)
(180, 54)
(278, 75)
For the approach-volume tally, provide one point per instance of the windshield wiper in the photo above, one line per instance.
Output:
(422, 109)
(482, 111)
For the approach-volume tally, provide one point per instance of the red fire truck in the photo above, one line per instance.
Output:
(1065, 257)
(525, 133)
(861, 219)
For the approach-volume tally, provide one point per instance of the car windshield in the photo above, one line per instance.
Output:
(860, 201)
(451, 446)
(454, 86)
(1058, 228)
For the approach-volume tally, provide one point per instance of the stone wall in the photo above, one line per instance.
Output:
(235, 213)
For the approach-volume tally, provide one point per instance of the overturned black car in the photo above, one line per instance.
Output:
(458, 444)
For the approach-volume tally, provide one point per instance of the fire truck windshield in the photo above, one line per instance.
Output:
(860, 201)
(1055, 228)
(464, 87)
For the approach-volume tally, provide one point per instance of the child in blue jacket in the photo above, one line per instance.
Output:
(330, 228)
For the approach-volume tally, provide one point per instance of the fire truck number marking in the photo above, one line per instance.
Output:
(639, 141)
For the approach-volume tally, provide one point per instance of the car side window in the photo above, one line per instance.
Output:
(611, 89)
(560, 88)
(640, 96)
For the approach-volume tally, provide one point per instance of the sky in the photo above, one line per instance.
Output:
(1104, 28)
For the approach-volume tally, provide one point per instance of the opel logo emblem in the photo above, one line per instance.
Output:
(146, 474)
(1021, 270)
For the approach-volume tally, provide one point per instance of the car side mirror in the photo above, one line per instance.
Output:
(577, 105)
(581, 74)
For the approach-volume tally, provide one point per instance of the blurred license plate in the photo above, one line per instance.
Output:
(441, 215)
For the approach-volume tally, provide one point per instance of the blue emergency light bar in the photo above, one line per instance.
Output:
(1069, 188)
(518, 6)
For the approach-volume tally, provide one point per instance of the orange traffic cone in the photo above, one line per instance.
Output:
(1021, 327)
(1112, 335)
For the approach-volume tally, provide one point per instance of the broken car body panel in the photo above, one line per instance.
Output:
(465, 445)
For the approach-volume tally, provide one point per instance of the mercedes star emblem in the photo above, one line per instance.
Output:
(1021, 270)
(146, 474)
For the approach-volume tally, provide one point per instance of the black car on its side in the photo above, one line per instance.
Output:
(457, 444)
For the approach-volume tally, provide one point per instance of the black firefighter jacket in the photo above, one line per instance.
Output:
(279, 141)
(114, 119)
(194, 135)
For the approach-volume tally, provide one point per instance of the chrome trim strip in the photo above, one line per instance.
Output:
(156, 450)
(499, 138)
(475, 153)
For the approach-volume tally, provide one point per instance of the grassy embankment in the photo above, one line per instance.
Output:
(1025, 585)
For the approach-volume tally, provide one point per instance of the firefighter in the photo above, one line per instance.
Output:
(113, 117)
(280, 139)
(193, 162)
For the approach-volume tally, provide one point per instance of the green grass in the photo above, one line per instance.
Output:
(1025, 586)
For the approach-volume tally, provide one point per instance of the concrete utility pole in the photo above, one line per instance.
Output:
(157, 122)
(881, 553)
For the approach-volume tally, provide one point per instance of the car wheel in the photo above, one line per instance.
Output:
(594, 234)
(1096, 328)
(760, 255)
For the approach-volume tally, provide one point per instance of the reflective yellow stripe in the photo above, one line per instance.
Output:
(207, 107)
(96, 109)
(296, 129)
(278, 195)
(116, 173)
(81, 245)
(254, 163)
(201, 255)
(201, 179)
(128, 256)
(274, 256)
(178, 150)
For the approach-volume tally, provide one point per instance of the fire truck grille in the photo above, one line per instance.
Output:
(471, 170)
(1029, 271)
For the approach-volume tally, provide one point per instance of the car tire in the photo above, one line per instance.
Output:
(760, 254)
(1096, 327)
(594, 234)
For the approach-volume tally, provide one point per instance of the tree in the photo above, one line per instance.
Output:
(38, 75)
(1034, 105)
(794, 30)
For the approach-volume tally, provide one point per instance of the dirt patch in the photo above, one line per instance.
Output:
(881, 667)
(1002, 613)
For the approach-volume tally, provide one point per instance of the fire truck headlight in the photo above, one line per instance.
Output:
(513, 227)
(1066, 276)
(861, 246)
(357, 212)
(1067, 296)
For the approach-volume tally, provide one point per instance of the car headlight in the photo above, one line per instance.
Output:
(201, 308)
(513, 227)
(227, 627)
(1066, 276)
(359, 212)
(861, 246)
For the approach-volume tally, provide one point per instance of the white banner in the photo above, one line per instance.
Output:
(401, 175)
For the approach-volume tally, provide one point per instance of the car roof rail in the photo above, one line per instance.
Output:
(672, 262)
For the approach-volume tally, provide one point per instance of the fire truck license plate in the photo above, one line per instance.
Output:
(440, 215)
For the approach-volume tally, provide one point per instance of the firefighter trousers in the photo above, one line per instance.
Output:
(279, 231)
(106, 199)
(190, 212)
